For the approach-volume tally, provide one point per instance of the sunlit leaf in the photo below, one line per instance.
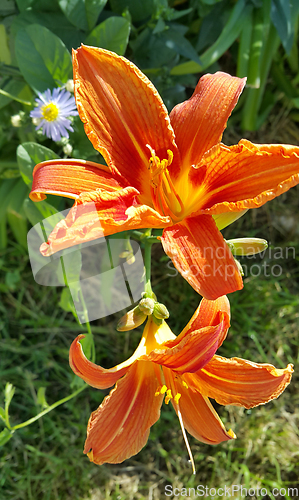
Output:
(112, 34)
(43, 59)
(28, 155)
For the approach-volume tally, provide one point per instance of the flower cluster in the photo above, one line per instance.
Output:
(52, 113)
(172, 172)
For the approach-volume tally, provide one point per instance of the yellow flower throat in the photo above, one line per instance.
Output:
(165, 198)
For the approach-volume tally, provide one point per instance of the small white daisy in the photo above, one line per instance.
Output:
(52, 112)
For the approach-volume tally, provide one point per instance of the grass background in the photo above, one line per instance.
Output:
(45, 460)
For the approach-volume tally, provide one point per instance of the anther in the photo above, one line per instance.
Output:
(168, 396)
(177, 397)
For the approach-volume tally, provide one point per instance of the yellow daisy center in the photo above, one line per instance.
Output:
(50, 112)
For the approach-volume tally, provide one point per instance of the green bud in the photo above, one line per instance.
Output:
(131, 320)
(227, 218)
(160, 311)
(247, 246)
(129, 256)
(147, 306)
(240, 268)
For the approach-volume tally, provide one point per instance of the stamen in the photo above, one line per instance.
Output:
(168, 396)
(164, 195)
(163, 389)
(177, 397)
(186, 441)
(185, 385)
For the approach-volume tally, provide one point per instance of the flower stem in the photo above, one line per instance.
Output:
(147, 265)
(50, 408)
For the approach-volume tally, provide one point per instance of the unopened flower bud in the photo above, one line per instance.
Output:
(160, 311)
(129, 256)
(131, 320)
(16, 120)
(147, 306)
(69, 86)
(36, 121)
(239, 266)
(247, 246)
(67, 149)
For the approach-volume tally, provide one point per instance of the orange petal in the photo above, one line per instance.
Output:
(201, 255)
(246, 176)
(122, 112)
(199, 122)
(120, 427)
(101, 213)
(70, 178)
(92, 374)
(199, 417)
(208, 313)
(239, 382)
(193, 351)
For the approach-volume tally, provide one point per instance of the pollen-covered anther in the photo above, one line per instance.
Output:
(185, 385)
(177, 397)
(161, 390)
(169, 396)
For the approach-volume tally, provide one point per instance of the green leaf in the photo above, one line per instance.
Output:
(66, 302)
(82, 13)
(112, 34)
(28, 155)
(36, 212)
(12, 280)
(139, 10)
(11, 90)
(151, 51)
(93, 8)
(284, 15)
(5, 436)
(18, 225)
(24, 4)
(2, 414)
(6, 189)
(56, 22)
(230, 32)
(41, 397)
(3, 234)
(15, 214)
(174, 40)
(87, 345)
(43, 59)
(256, 49)
(5, 55)
(72, 263)
(8, 394)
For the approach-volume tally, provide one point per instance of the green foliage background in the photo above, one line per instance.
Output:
(173, 42)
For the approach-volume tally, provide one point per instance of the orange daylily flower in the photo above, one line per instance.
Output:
(164, 171)
(186, 370)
